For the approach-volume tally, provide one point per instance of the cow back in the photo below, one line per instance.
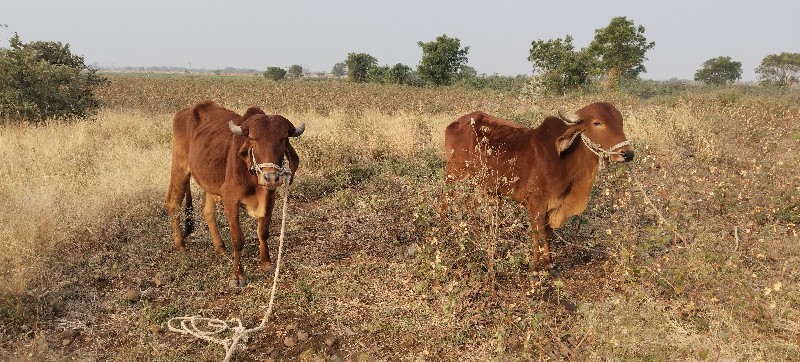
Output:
(209, 144)
(515, 160)
(484, 145)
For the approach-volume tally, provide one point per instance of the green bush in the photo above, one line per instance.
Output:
(275, 73)
(41, 80)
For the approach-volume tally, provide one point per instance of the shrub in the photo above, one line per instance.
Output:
(41, 80)
(275, 73)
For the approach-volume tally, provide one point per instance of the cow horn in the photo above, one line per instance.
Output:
(567, 119)
(235, 129)
(299, 130)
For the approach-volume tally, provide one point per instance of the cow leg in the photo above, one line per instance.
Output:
(540, 248)
(178, 188)
(546, 258)
(263, 233)
(237, 242)
(452, 174)
(448, 193)
(210, 214)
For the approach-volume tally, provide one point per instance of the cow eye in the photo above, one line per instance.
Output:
(597, 124)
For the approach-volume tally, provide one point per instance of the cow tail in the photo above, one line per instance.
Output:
(188, 222)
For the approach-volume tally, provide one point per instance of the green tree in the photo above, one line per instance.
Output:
(442, 60)
(558, 67)
(620, 49)
(295, 71)
(399, 74)
(780, 69)
(359, 65)
(468, 73)
(275, 73)
(339, 70)
(41, 80)
(719, 71)
(378, 74)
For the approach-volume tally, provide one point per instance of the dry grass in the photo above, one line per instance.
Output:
(371, 261)
(59, 179)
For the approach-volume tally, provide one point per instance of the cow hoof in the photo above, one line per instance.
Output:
(265, 266)
(236, 283)
(220, 250)
(554, 273)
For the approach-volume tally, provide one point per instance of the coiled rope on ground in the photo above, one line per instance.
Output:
(209, 329)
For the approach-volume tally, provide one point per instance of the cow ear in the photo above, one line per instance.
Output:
(293, 158)
(244, 150)
(565, 140)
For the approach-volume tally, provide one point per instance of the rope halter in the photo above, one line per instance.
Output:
(258, 168)
(601, 152)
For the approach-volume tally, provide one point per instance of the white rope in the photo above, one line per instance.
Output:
(258, 168)
(207, 328)
(601, 152)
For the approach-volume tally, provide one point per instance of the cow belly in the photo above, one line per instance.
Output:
(567, 208)
(207, 161)
(208, 179)
(209, 174)
(556, 218)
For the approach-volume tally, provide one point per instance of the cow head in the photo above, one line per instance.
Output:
(266, 145)
(600, 127)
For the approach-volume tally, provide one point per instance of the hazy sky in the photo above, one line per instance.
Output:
(318, 34)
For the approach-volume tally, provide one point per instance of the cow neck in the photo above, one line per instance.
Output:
(582, 163)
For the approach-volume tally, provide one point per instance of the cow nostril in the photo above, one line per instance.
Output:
(628, 155)
(271, 178)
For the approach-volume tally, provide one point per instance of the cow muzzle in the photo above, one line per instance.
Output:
(271, 179)
(621, 152)
(621, 156)
(627, 155)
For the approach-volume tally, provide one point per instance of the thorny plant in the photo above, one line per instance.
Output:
(477, 221)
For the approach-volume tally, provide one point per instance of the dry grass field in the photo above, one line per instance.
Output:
(690, 252)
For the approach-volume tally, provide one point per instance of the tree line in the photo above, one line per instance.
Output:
(616, 55)
(444, 61)
(41, 80)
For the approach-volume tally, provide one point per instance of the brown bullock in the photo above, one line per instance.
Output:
(544, 168)
(238, 160)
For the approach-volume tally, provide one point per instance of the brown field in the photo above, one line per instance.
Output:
(689, 253)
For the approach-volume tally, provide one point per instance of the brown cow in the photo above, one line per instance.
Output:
(238, 160)
(543, 167)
